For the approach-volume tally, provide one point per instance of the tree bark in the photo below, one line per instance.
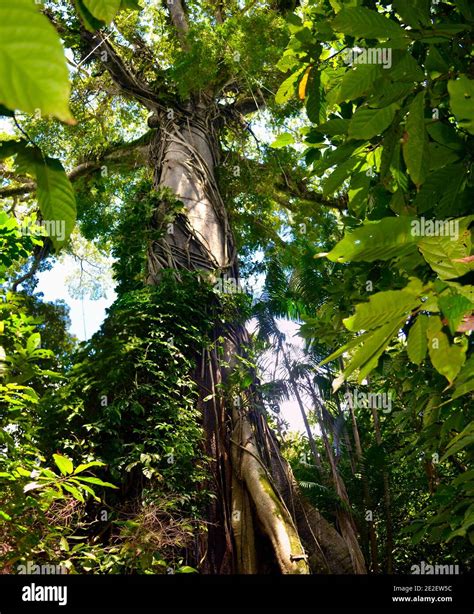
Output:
(258, 521)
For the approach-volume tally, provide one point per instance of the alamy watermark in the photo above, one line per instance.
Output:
(371, 55)
(426, 568)
(45, 228)
(435, 228)
(38, 570)
(377, 400)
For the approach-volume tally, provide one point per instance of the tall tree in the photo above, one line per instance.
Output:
(193, 69)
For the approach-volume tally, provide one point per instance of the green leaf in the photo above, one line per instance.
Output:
(445, 134)
(90, 22)
(461, 441)
(441, 156)
(382, 240)
(442, 188)
(441, 252)
(283, 140)
(454, 307)
(132, 5)
(11, 148)
(74, 491)
(381, 308)
(83, 467)
(417, 344)
(461, 100)
(315, 102)
(365, 23)
(387, 93)
(186, 569)
(96, 481)
(336, 156)
(56, 200)
(334, 127)
(347, 346)
(435, 64)
(336, 178)
(464, 383)
(356, 82)
(405, 68)
(415, 146)
(415, 13)
(104, 10)
(288, 88)
(447, 359)
(359, 191)
(367, 356)
(367, 123)
(33, 342)
(63, 463)
(33, 71)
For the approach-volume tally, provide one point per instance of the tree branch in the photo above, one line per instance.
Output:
(119, 157)
(100, 48)
(179, 19)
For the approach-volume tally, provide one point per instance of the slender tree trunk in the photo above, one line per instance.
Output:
(344, 516)
(365, 489)
(386, 496)
(259, 521)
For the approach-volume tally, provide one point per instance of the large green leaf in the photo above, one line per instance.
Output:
(63, 463)
(288, 88)
(89, 21)
(104, 10)
(381, 308)
(382, 240)
(415, 146)
(282, 140)
(442, 253)
(315, 101)
(405, 68)
(56, 199)
(365, 23)
(446, 358)
(461, 99)
(415, 13)
(33, 71)
(367, 123)
(367, 356)
(359, 191)
(417, 344)
(442, 188)
(356, 81)
(336, 178)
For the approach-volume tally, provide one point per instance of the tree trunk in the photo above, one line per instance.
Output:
(343, 514)
(386, 496)
(258, 521)
(365, 490)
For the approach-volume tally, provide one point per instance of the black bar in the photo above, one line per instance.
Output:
(191, 593)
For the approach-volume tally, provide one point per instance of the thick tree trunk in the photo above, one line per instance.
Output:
(258, 521)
